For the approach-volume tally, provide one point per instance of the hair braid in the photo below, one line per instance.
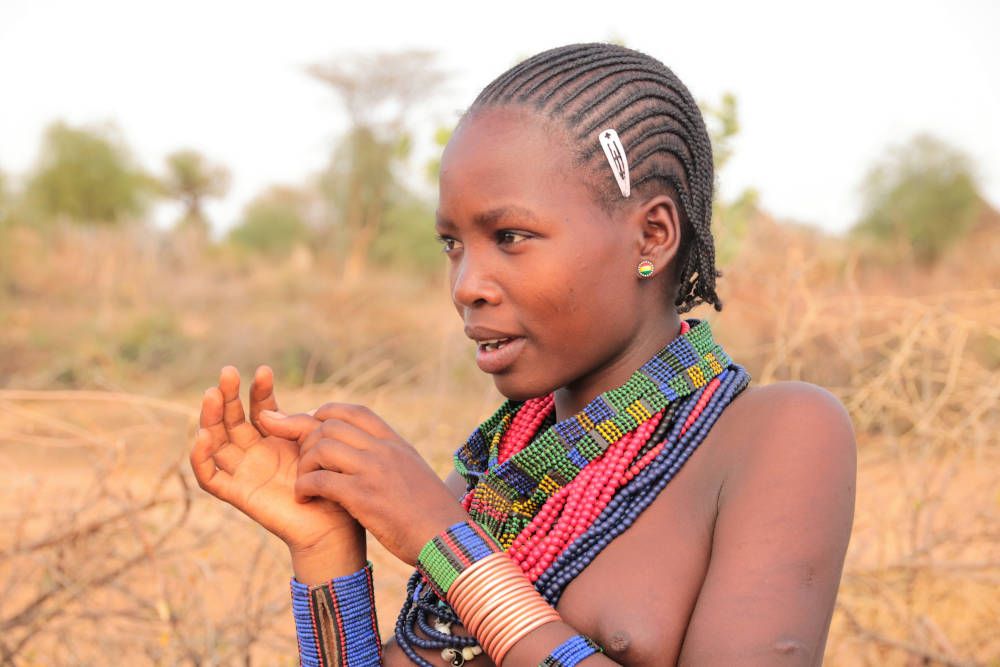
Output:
(591, 86)
(521, 74)
(567, 71)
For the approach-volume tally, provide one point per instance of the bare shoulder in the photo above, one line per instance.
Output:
(788, 404)
(789, 424)
(784, 515)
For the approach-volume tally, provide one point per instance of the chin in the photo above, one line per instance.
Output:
(519, 391)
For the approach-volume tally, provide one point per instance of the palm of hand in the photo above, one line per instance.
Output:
(264, 489)
(255, 473)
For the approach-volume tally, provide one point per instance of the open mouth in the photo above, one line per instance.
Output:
(495, 344)
(499, 354)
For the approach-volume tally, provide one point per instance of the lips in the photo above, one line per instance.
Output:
(497, 355)
(497, 349)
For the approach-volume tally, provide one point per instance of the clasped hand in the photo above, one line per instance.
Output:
(311, 478)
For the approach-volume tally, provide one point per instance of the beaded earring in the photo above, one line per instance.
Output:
(645, 268)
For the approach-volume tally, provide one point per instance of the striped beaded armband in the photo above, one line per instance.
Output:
(335, 621)
(571, 652)
(451, 552)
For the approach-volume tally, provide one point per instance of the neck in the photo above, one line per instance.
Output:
(647, 341)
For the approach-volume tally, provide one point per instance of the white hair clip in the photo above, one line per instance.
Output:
(615, 153)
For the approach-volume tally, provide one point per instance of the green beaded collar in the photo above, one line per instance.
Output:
(508, 495)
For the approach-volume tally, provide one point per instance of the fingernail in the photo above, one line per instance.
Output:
(312, 413)
(271, 414)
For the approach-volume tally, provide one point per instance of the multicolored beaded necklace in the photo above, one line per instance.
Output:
(554, 494)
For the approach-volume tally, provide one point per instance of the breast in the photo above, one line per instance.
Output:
(637, 596)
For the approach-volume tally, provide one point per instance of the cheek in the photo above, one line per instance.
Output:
(562, 294)
(586, 292)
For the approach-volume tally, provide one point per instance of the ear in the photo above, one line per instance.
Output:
(660, 224)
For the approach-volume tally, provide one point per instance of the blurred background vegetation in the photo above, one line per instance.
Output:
(110, 329)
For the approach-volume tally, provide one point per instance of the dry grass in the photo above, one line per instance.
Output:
(110, 553)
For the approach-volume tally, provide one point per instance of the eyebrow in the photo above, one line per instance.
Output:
(490, 218)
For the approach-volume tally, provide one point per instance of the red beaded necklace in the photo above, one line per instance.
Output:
(556, 493)
(572, 509)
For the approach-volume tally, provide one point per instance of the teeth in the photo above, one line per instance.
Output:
(494, 344)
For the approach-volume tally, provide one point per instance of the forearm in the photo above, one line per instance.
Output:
(541, 643)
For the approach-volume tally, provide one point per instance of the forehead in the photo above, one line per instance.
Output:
(508, 153)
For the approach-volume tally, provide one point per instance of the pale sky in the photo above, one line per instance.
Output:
(822, 90)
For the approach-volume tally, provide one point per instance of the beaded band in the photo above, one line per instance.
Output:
(448, 554)
(335, 621)
(571, 652)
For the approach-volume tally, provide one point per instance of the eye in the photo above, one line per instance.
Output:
(447, 243)
(510, 237)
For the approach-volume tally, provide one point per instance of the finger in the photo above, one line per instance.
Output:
(211, 478)
(262, 396)
(310, 440)
(359, 416)
(324, 484)
(332, 455)
(292, 427)
(225, 454)
(240, 432)
(212, 404)
(335, 429)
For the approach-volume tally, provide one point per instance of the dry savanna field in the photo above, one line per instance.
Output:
(110, 553)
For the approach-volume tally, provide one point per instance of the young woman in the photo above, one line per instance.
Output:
(634, 501)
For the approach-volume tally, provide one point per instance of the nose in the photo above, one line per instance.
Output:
(473, 283)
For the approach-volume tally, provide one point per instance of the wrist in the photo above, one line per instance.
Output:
(334, 557)
(452, 551)
(431, 528)
(335, 621)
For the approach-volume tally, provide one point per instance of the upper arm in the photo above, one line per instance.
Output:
(783, 524)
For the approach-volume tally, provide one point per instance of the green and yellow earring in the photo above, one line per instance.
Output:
(645, 268)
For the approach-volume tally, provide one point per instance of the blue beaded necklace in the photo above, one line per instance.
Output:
(687, 420)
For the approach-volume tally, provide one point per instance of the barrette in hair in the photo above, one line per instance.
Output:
(615, 153)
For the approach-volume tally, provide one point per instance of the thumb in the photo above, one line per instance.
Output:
(290, 427)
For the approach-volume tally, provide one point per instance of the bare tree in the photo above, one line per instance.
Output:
(191, 179)
(379, 92)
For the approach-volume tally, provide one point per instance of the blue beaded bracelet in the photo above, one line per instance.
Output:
(335, 622)
(571, 652)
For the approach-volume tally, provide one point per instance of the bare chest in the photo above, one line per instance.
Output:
(636, 597)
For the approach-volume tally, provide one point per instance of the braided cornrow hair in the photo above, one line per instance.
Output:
(589, 87)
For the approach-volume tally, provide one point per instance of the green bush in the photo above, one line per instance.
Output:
(408, 240)
(921, 198)
(273, 223)
(87, 176)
